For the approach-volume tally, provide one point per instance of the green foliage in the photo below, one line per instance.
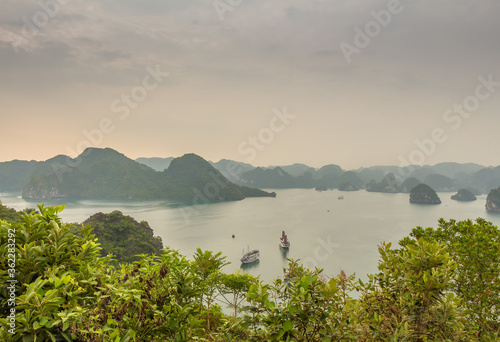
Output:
(53, 271)
(9, 214)
(409, 300)
(66, 292)
(303, 307)
(475, 247)
(123, 237)
(441, 285)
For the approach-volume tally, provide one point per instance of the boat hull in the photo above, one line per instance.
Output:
(284, 245)
(250, 257)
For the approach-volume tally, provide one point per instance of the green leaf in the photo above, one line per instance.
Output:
(288, 325)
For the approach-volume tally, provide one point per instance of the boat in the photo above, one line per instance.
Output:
(341, 197)
(250, 256)
(284, 243)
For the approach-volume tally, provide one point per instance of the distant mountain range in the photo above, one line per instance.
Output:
(442, 177)
(108, 174)
(105, 173)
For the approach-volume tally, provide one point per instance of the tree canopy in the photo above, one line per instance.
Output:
(440, 284)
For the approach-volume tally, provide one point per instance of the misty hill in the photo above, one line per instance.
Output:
(298, 169)
(352, 178)
(192, 175)
(275, 178)
(408, 184)
(371, 175)
(329, 170)
(106, 173)
(388, 184)
(451, 170)
(158, 164)
(231, 169)
(440, 182)
(345, 186)
(96, 173)
(16, 173)
(484, 180)
(329, 176)
(422, 172)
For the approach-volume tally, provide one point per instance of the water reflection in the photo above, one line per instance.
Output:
(251, 265)
(284, 252)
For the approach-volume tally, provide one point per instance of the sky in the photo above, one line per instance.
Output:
(350, 82)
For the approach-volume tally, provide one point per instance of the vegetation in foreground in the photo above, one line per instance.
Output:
(442, 284)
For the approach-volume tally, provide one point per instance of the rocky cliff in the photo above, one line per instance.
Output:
(493, 201)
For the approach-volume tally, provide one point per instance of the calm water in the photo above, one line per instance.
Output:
(324, 231)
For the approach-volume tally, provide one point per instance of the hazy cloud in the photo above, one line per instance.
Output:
(233, 72)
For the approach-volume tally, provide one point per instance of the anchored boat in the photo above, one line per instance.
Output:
(250, 256)
(284, 243)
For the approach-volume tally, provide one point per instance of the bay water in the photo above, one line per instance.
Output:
(324, 231)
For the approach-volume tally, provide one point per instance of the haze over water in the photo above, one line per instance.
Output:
(324, 231)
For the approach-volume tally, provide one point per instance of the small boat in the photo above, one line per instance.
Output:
(284, 243)
(341, 197)
(250, 256)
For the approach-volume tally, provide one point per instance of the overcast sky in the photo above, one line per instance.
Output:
(351, 82)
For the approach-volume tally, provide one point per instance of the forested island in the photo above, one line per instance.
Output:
(427, 289)
(108, 174)
(464, 195)
(424, 194)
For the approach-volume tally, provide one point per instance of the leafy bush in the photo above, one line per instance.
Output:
(441, 285)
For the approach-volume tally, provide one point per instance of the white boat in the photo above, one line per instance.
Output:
(284, 243)
(250, 256)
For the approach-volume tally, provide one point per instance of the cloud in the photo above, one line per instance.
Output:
(263, 54)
